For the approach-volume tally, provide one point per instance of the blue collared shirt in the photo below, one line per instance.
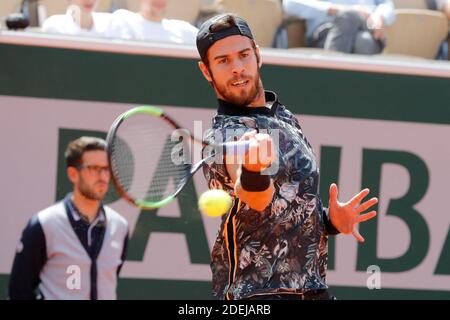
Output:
(88, 233)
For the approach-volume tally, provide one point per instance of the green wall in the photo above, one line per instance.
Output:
(100, 76)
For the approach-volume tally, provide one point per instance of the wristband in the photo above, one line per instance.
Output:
(254, 181)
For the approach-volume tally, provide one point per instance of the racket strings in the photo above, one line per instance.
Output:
(142, 159)
(169, 175)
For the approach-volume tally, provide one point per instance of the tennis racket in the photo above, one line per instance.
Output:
(150, 165)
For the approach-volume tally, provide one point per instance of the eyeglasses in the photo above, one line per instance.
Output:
(94, 169)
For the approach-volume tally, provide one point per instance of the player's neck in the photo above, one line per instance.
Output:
(87, 207)
(260, 99)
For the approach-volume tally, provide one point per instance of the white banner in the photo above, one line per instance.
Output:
(29, 144)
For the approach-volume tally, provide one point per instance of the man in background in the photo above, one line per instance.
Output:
(349, 26)
(74, 249)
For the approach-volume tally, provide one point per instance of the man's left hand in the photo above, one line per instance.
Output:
(346, 216)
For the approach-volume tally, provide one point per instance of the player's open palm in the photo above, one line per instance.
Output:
(346, 216)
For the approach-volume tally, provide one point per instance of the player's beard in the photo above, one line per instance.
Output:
(88, 192)
(244, 97)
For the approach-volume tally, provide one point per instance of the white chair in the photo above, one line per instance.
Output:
(410, 4)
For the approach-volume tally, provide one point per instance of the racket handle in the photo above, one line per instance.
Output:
(238, 148)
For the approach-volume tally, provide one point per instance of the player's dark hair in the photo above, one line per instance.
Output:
(226, 22)
(78, 147)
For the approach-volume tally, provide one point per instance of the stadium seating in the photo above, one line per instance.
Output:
(416, 32)
(7, 7)
(296, 31)
(186, 10)
(263, 16)
(416, 4)
(410, 4)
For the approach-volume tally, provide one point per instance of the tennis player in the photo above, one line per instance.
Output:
(75, 248)
(272, 243)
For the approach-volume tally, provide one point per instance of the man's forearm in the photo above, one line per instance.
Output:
(251, 185)
(257, 200)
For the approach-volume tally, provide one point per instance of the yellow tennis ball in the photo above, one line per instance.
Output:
(214, 203)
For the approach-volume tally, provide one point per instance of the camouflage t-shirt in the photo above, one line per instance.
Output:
(282, 249)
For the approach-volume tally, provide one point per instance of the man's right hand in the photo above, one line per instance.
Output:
(260, 155)
(261, 152)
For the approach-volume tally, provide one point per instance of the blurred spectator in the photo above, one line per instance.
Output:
(80, 19)
(350, 26)
(444, 6)
(149, 24)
